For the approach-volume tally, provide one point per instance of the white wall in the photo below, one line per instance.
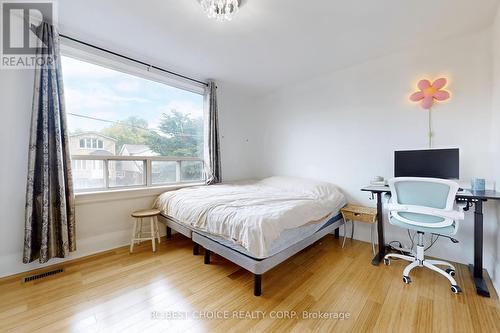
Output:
(343, 127)
(100, 225)
(496, 133)
(237, 123)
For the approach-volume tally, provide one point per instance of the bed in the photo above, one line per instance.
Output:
(256, 224)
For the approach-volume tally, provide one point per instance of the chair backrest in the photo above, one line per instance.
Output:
(423, 201)
(427, 192)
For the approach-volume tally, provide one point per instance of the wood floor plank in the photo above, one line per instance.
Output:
(423, 315)
(122, 292)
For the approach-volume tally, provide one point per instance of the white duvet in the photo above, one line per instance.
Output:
(253, 213)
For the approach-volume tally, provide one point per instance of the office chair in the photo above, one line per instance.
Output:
(426, 206)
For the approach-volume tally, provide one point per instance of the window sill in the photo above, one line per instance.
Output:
(83, 198)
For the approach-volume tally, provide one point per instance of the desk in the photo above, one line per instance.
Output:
(471, 198)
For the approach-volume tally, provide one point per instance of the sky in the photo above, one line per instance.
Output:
(99, 92)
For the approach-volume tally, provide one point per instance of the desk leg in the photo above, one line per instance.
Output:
(380, 231)
(477, 268)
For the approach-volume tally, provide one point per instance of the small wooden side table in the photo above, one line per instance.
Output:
(362, 214)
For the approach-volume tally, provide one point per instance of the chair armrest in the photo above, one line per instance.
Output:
(450, 214)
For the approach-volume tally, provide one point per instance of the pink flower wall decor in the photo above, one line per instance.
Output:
(430, 92)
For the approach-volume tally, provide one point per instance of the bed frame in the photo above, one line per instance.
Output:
(255, 266)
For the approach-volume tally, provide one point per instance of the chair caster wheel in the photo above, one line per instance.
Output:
(387, 262)
(450, 271)
(456, 289)
(406, 279)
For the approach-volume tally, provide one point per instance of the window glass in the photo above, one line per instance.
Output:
(112, 114)
(191, 171)
(126, 173)
(89, 178)
(164, 172)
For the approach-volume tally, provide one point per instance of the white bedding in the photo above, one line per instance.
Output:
(253, 213)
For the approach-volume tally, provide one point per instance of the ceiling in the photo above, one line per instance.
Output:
(270, 42)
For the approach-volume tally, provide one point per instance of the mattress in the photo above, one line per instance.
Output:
(287, 238)
(254, 214)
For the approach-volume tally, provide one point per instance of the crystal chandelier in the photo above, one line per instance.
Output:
(221, 10)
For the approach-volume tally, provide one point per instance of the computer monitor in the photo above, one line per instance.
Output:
(432, 163)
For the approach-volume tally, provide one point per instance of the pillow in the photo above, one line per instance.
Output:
(319, 189)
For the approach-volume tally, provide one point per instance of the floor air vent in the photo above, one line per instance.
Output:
(42, 275)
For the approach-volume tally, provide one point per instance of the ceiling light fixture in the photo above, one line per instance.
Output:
(221, 10)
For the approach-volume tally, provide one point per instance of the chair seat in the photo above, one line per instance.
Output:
(450, 230)
(146, 213)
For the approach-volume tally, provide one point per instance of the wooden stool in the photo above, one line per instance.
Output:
(137, 229)
(359, 213)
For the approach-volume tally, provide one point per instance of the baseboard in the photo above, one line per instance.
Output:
(63, 264)
(11, 265)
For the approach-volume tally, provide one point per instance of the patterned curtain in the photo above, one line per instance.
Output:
(50, 219)
(212, 145)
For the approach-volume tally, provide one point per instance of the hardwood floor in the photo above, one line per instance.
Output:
(121, 292)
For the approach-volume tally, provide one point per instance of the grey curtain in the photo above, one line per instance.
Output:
(212, 145)
(50, 219)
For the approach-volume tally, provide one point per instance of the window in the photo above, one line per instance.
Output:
(130, 130)
(90, 143)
